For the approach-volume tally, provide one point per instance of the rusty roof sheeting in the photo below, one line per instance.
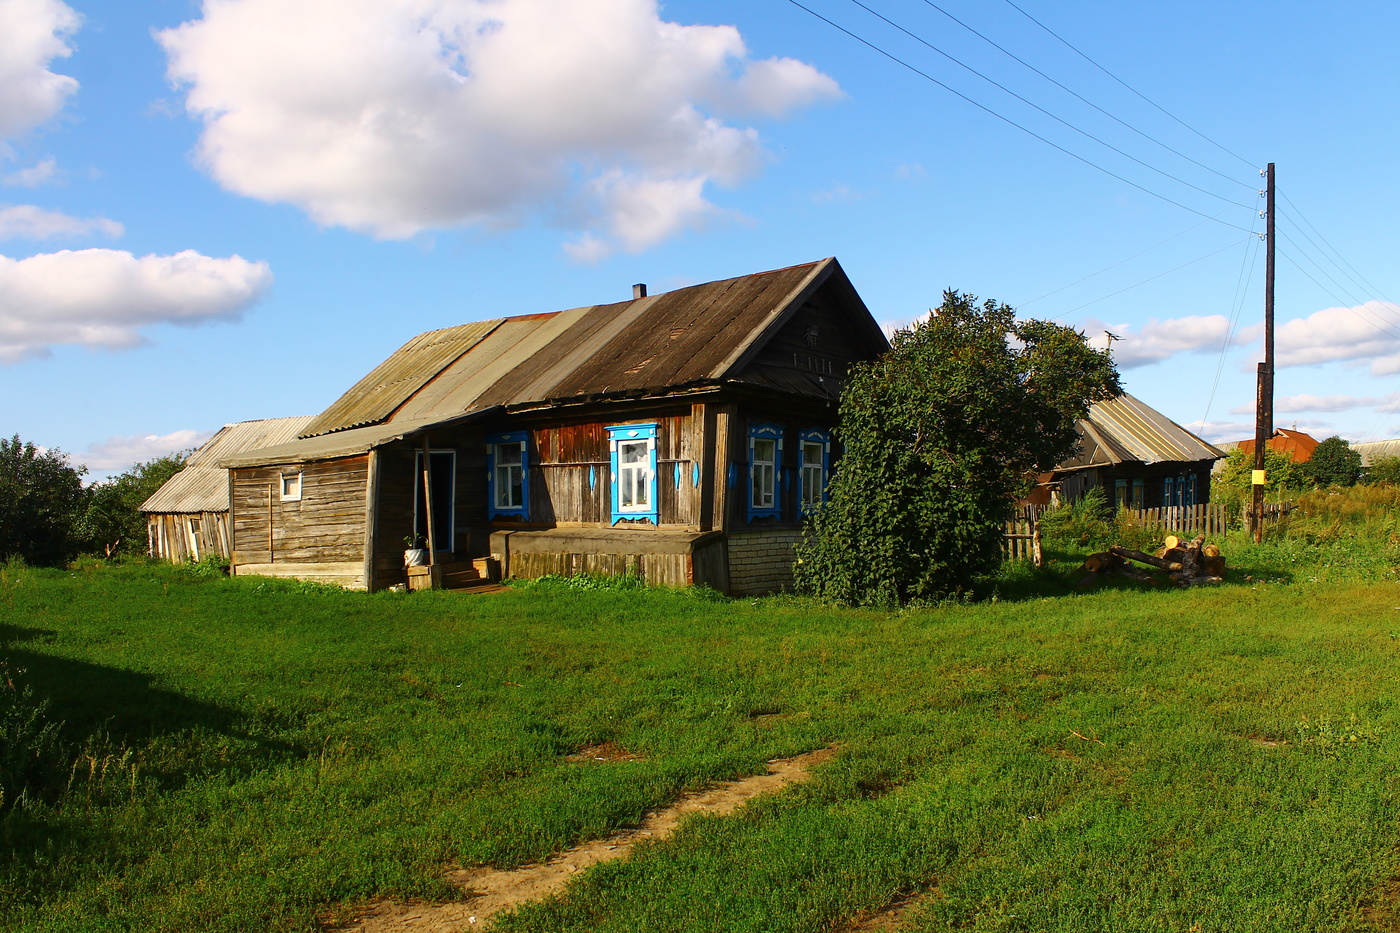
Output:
(202, 486)
(408, 369)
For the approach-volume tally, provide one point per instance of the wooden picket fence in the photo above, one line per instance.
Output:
(1023, 533)
(1211, 519)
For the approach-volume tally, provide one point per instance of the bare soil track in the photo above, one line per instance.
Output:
(489, 891)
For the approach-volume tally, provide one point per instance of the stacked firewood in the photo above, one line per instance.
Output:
(1186, 564)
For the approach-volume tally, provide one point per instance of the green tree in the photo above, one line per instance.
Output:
(1233, 485)
(41, 500)
(1333, 463)
(112, 522)
(940, 435)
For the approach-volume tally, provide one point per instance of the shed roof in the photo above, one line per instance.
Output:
(703, 335)
(202, 486)
(1127, 430)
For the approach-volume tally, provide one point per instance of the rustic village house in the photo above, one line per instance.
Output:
(187, 517)
(1138, 456)
(679, 436)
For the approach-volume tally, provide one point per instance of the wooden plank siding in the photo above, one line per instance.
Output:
(325, 526)
(168, 535)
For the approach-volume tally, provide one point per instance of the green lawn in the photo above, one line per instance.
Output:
(244, 755)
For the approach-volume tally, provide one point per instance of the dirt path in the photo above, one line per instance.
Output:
(490, 891)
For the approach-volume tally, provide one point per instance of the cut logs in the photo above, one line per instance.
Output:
(1193, 563)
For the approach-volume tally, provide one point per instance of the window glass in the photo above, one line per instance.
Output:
(813, 482)
(291, 485)
(634, 475)
(765, 453)
(510, 475)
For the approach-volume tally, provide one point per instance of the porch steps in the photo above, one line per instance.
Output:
(478, 574)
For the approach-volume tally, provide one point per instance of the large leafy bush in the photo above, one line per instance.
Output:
(940, 435)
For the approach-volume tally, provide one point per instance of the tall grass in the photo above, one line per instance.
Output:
(262, 755)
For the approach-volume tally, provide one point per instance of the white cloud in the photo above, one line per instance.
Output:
(1326, 403)
(116, 454)
(397, 116)
(1221, 432)
(1158, 340)
(34, 223)
(103, 297)
(31, 36)
(32, 177)
(1364, 332)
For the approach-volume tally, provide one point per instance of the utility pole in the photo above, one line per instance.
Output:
(1264, 400)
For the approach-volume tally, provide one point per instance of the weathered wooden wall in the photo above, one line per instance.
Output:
(168, 536)
(319, 536)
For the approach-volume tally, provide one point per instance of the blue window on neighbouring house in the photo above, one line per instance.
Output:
(1130, 493)
(765, 471)
(1179, 490)
(632, 455)
(508, 475)
(815, 445)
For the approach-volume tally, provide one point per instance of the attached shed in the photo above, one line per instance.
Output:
(1138, 456)
(680, 436)
(187, 517)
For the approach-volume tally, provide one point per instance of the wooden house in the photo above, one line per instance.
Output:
(1138, 456)
(187, 517)
(679, 436)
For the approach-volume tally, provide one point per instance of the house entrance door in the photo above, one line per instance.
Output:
(442, 466)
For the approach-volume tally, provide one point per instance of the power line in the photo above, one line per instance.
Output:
(1157, 276)
(1251, 256)
(1342, 302)
(1008, 120)
(1085, 100)
(1115, 265)
(1125, 84)
(1085, 133)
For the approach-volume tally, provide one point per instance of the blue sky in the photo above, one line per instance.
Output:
(224, 211)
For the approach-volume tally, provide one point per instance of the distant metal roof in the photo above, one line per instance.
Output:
(692, 337)
(202, 486)
(1299, 445)
(1371, 451)
(1127, 430)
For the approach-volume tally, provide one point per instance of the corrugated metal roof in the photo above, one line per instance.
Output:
(1371, 451)
(388, 385)
(693, 336)
(1126, 430)
(202, 486)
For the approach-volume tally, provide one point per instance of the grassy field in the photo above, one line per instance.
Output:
(244, 755)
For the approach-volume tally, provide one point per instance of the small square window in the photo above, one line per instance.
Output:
(291, 487)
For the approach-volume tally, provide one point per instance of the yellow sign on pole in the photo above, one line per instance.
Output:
(1257, 478)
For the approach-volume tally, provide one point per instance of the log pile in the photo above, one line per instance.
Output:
(1185, 564)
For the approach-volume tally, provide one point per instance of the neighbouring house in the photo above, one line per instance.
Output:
(1298, 445)
(1371, 451)
(679, 436)
(187, 517)
(1139, 457)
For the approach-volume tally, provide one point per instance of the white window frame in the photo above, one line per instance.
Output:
(292, 486)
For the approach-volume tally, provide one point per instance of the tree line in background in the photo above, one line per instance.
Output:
(48, 517)
(1333, 463)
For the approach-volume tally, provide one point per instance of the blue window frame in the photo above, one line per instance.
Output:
(508, 475)
(765, 499)
(632, 452)
(813, 466)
